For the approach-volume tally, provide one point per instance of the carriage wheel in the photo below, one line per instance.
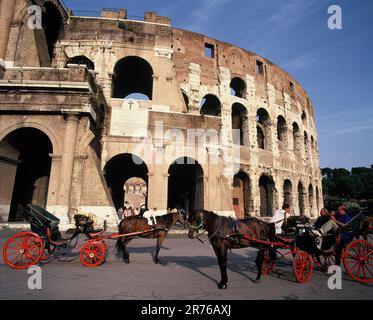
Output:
(268, 265)
(358, 261)
(93, 254)
(303, 267)
(23, 250)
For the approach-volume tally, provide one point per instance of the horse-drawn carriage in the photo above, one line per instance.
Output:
(224, 234)
(25, 249)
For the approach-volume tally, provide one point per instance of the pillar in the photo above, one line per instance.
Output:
(67, 161)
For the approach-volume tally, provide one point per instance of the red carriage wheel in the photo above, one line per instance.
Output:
(267, 265)
(303, 267)
(23, 250)
(93, 254)
(358, 261)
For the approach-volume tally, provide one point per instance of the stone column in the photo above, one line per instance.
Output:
(6, 16)
(67, 161)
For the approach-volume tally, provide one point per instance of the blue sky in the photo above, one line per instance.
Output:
(335, 67)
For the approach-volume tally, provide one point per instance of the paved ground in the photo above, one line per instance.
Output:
(189, 271)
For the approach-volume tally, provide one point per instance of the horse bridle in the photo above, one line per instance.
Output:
(200, 226)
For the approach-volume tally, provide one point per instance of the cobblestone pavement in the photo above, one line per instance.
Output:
(189, 271)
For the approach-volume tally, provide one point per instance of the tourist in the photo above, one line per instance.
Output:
(280, 216)
(322, 219)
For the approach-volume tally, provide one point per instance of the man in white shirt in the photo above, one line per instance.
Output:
(280, 216)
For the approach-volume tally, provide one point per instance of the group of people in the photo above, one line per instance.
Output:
(326, 222)
(129, 211)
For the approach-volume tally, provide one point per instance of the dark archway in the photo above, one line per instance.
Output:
(82, 60)
(119, 170)
(310, 198)
(282, 131)
(263, 131)
(25, 165)
(185, 185)
(296, 138)
(267, 192)
(241, 195)
(238, 87)
(52, 25)
(288, 192)
(211, 106)
(240, 122)
(301, 199)
(132, 76)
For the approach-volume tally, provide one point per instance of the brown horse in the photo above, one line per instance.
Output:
(135, 224)
(225, 233)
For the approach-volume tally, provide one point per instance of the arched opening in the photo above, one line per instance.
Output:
(304, 118)
(185, 185)
(312, 147)
(282, 131)
(318, 199)
(288, 192)
(267, 192)
(132, 76)
(117, 173)
(306, 151)
(186, 100)
(52, 25)
(240, 123)
(211, 106)
(238, 87)
(241, 195)
(135, 190)
(25, 165)
(263, 131)
(310, 198)
(82, 60)
(301, 195)
(296, 137)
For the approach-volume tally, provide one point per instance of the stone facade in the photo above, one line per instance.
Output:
(68, 90)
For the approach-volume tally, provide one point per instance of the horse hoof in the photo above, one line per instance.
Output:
(257, 281)
(222, 286)
(127, 261)
(157, 262)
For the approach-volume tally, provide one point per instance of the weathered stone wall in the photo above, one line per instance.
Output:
(74, 105)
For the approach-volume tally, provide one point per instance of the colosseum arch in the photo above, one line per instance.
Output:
(25, 166)
(185, 184)
(238, 87)
(296, 138)
(132, 76)
(267, 193)
(240, 122)
(301, 199)
(186, 99)
(119, 170)
(82, 60)
(318, 199)
(53, 25)
(282, 133)
(311, 198)
(211, 106)
(288, 192)
(242, 195)
(263, 128)
(304, 118)
(306, 147)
